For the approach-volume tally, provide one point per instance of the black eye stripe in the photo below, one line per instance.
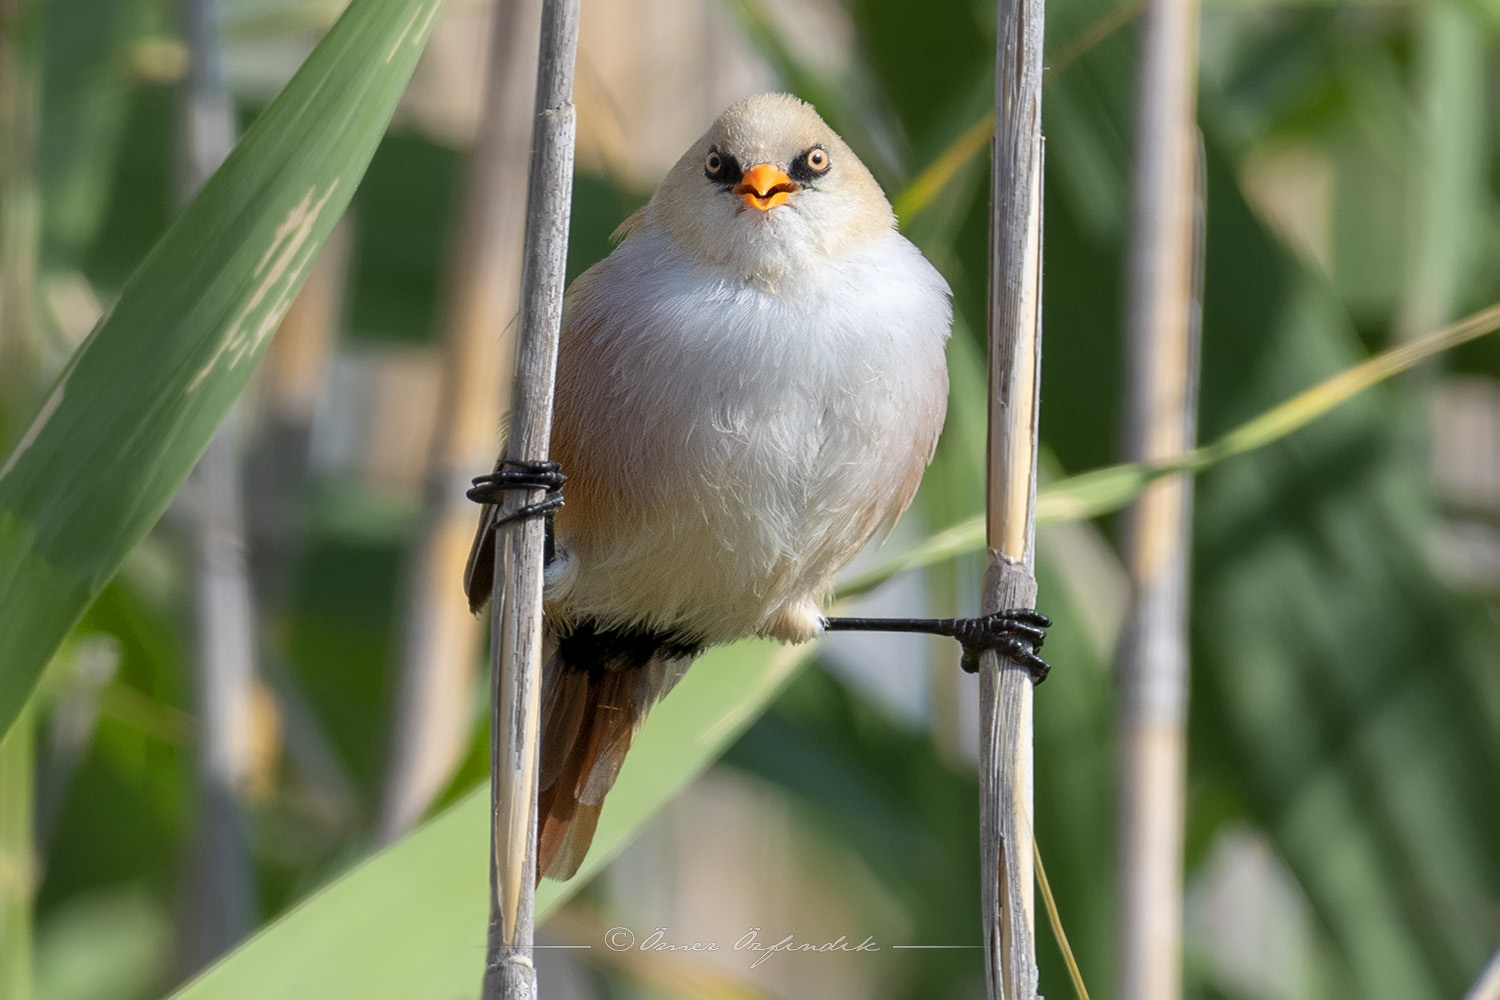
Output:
(728, 171)
(803, 171)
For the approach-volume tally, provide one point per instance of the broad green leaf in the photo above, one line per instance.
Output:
(137, 403)
(410, 922)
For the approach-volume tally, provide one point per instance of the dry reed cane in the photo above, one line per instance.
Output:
(517, 601)
(1015, 324)
(1161, 389)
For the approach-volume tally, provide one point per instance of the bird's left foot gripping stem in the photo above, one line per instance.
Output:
(515, 474)
(1015, 634)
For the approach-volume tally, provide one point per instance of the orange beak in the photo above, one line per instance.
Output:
(765, 186)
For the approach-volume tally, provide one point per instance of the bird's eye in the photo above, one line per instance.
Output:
(810, 165)
(721, 168)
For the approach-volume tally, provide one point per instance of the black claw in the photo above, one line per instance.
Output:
(514, 474)
(1017, 653)
(1003, 623)
(1022, 656)
(543, 475)
(546, 506)
(1015, 634)
(1029, 615)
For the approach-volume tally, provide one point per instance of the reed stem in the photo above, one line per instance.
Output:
(517, 601)
(1015, 328)
(1162, 317)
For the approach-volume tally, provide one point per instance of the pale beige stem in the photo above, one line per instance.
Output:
(517, 602)
(1015, 328)
(1161, 376)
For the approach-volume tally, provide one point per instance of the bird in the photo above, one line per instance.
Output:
(749, 388)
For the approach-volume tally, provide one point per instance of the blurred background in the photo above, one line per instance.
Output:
(1344, 747)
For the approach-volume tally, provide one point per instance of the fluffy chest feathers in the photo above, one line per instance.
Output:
(731, 443)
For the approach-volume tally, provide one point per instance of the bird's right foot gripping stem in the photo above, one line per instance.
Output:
(1015, 634)
(516, 474)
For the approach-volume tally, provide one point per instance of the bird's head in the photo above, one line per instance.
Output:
(768, 190)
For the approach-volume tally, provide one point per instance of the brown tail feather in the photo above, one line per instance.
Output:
(596, 691)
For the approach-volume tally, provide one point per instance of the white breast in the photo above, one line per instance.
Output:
(731, 446)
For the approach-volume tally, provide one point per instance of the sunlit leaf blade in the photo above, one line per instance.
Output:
(138, 402)
(410, 923)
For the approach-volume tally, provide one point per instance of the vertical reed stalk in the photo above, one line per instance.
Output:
(441, 636)
(222, 909)
(1161, 389)
(1015, 330)
(517, 603)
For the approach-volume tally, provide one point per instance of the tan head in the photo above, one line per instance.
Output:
(769, 189)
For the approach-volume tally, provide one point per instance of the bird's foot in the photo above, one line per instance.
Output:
(1015, 634)
(515, 474)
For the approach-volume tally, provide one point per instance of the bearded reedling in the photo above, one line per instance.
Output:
(748, 388)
